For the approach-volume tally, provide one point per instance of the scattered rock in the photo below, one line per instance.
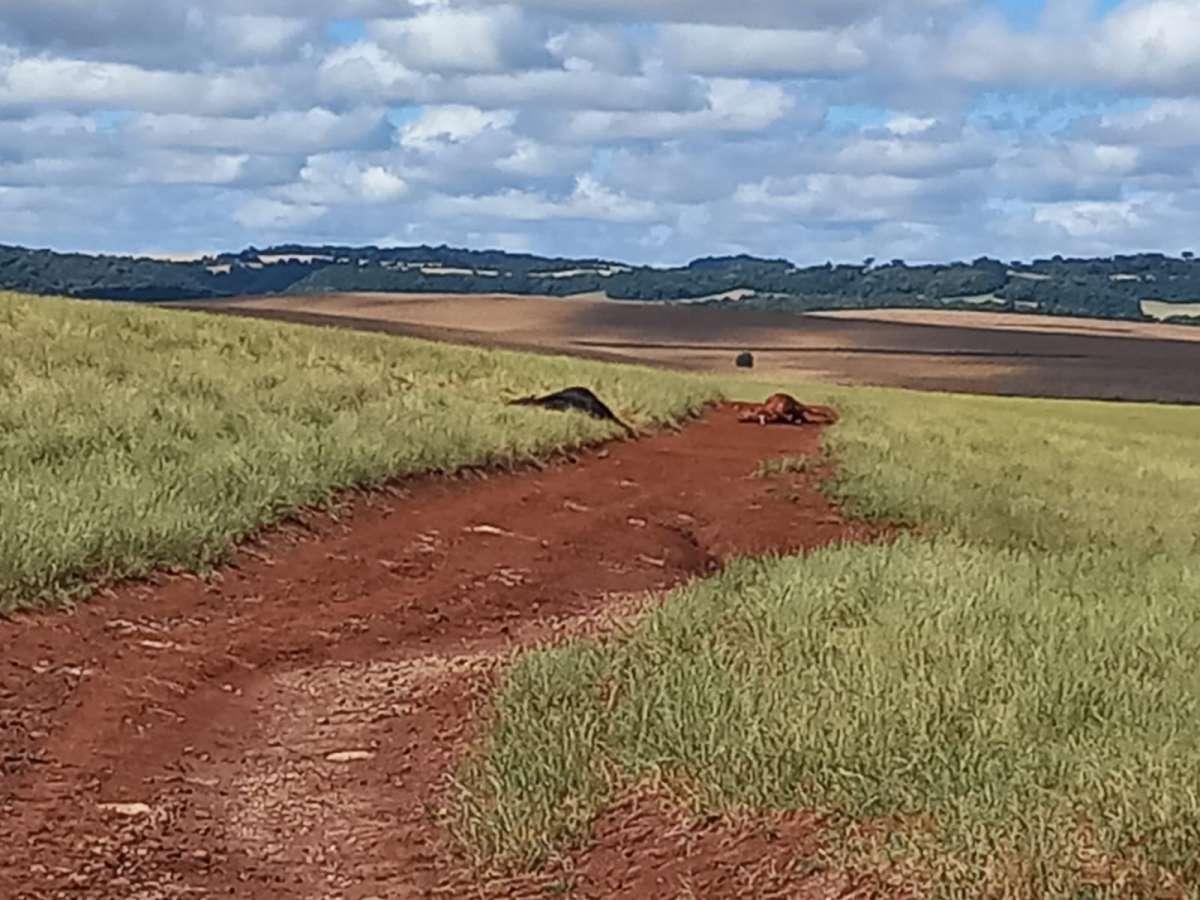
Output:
(157, 645)
(349, 756)
(499, 532)
(129, 810)
(488, 529)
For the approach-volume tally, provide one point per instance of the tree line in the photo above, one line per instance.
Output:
(1109, 287)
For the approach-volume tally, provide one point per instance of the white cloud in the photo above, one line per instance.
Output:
(333, 179)
(736, 50)
(900, 155)
(733, 105)
(1090, 219)
(561, 89)
(1172, 124)
(1155, 43)
(288, 132)
(445, 40)
(170, 34)
(842, 199)
(256, 36)
(1143, 45)
(174, 167)
(531, 159)
(906, 126)
(759, 14)
(367, 71)
(377, 185)
(263, 213)
(591, 48)
(651, 129)
(438, 125)
(589, 200)
(37, 83)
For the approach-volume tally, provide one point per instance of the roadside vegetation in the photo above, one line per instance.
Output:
(133, 439)
(1009, 689)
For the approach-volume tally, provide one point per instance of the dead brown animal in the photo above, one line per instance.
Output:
(785, 409)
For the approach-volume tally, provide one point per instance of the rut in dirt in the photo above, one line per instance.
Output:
(286, 728)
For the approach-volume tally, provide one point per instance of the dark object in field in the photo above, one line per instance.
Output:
(745, 360)
(577, 398)
(785, 409)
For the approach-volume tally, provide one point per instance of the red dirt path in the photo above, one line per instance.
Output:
(215, 705)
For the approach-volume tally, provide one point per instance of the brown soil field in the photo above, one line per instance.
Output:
(287, 727)
(986, 353)
(954, 318)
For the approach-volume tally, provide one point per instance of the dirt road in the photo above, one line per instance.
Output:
(285, 729)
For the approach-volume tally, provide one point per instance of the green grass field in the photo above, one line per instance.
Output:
(134, 439)
(1020, 673)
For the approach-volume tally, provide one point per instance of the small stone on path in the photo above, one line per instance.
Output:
(348, 756)
(130, 810)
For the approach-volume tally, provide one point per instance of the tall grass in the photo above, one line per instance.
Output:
(1017, 683)
(133, 439)
(1035, 474)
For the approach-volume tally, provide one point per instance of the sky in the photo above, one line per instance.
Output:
(651, 131)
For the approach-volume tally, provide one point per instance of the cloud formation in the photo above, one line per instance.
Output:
(653, 130)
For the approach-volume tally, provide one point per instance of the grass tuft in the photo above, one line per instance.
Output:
(788, 465)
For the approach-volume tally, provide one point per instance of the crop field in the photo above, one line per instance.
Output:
(1160, 310)
(961, 630)
(1015, 680)
(957, 351)
(133, 439)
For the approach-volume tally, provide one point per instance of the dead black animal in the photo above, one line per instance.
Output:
(577, 398)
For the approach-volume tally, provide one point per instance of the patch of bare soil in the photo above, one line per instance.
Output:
(285, 729)
(1005, 321)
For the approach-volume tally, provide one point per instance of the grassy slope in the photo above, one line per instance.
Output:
(1023, 675)
(133, 439)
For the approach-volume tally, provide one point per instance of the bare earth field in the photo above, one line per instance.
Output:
(968, 352)
(953, 318)
(288, 728)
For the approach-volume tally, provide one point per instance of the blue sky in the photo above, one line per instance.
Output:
(1024, 14)
(346, 31)
(653, 131)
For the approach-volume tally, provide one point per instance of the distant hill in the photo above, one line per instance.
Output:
(1119, 287)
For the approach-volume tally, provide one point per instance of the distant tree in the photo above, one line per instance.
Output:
(1189, 255)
